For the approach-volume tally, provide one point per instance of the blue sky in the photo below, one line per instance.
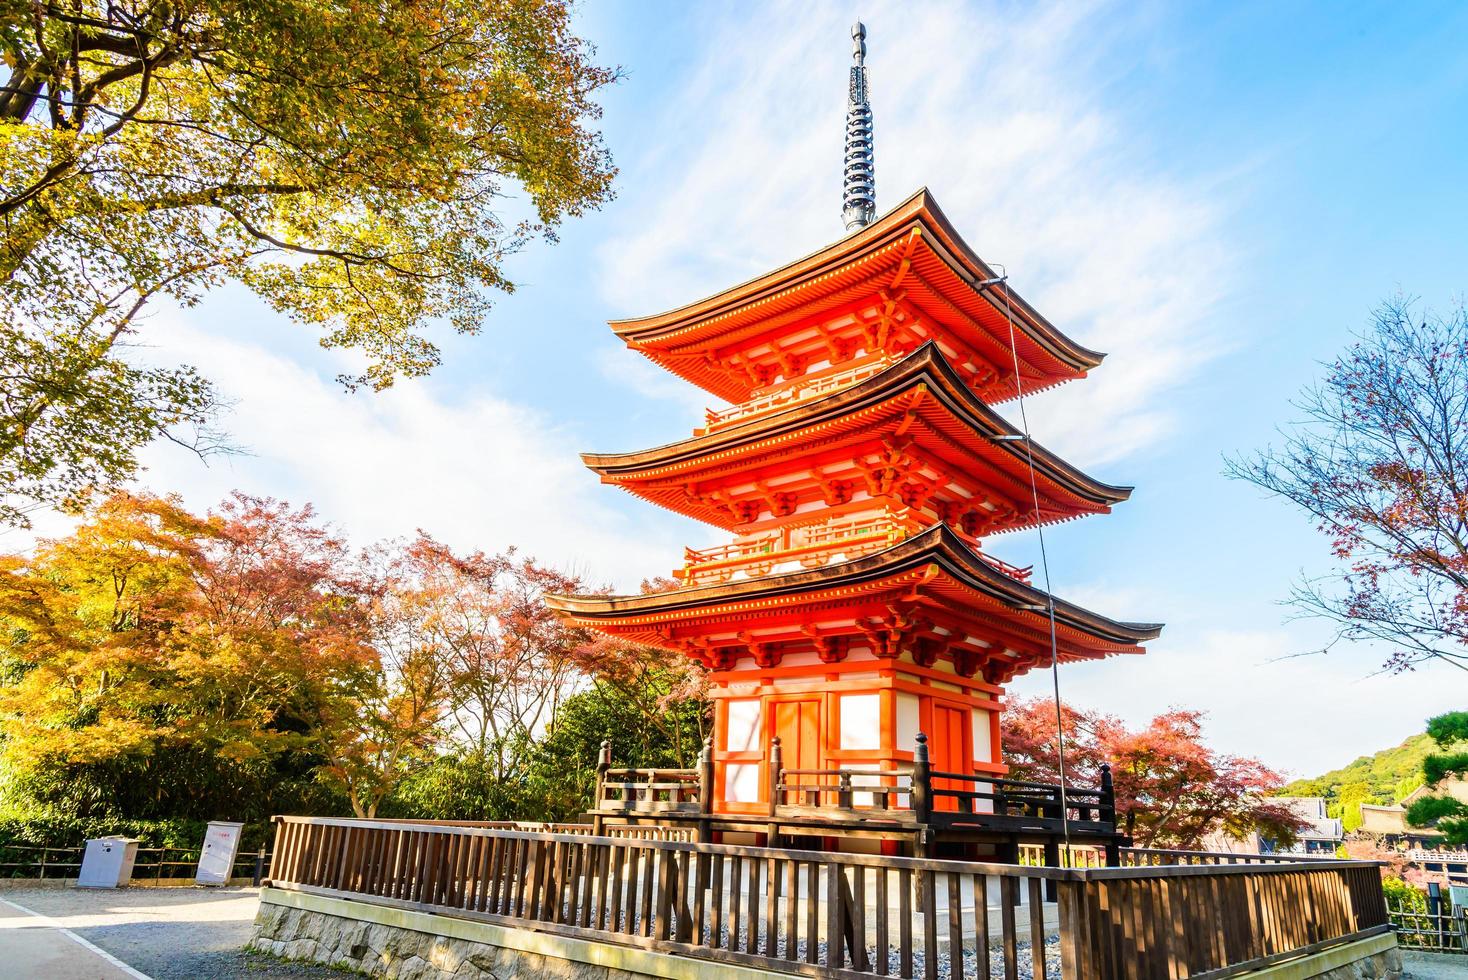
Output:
(1217, 195)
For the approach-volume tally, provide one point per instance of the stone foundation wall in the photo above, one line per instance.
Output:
(378, 950)
(405, 944)
(408, 945)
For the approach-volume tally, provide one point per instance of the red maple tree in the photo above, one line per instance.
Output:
(1172, 790)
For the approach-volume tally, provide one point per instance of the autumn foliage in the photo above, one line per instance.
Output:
(159, 661)
(1379, 460)
(1172, 790)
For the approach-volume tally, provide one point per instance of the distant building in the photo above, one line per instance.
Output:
(1321, 836)
(1389, 823)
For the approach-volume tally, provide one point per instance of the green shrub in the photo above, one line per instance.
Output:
(17, 834)
(1400, 895)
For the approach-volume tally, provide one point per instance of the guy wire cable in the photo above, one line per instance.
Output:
(1044, 561)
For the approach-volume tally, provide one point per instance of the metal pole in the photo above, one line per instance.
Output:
(1044, 562)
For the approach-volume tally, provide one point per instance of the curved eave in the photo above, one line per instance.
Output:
(920, 210)
(937, 546)
(926, 365)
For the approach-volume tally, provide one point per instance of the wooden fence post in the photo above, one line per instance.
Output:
(922, 782)
(706, 777)
(603, 763)
(1107, 814)
(775, 778)
(705, 793)
(274, 841)
(776, 764)
(922, 812)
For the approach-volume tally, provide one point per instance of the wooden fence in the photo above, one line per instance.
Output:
(835, 914)
(1442, 931)
(152, 863)
(1186, 920)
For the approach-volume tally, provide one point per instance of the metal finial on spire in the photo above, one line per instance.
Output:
(859, 187)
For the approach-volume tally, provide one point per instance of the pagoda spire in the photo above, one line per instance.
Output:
(859, 188)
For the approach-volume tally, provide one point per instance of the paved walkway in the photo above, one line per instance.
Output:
(136, 934)
(32, 945)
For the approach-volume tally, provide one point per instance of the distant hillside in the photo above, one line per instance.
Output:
(1384, 777)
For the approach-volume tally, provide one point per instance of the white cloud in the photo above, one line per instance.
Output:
(636, 373)
(477, 472)
(1003, 118)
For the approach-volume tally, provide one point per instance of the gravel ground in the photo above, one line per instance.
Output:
(1433, 966)
(169, 933)
(1024, 965)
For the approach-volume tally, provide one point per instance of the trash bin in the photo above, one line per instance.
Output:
(107, 862)
(216, 857)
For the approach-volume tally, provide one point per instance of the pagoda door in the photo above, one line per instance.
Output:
(948, 751)
(798, 726)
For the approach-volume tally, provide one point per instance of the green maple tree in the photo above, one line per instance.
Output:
(349, 163)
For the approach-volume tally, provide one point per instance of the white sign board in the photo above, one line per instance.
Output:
(216, 858)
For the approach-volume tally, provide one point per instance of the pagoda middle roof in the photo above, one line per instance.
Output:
(935, 567)
(969, 437)
(912, 246)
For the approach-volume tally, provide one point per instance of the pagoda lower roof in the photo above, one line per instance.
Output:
(912, 257)
(931, 585)
(916, 414)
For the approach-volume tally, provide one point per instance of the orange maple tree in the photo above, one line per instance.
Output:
(150, 627)
(155, 660)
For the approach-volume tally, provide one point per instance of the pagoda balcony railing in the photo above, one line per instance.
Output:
(898, 798)
(812, 546)
(802, 389)
(943, 799)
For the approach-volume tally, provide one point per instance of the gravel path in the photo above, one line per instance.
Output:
(1433, 966)
(1024, 965)
(168, 933)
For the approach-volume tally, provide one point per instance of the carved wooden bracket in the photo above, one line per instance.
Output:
(832, 649)
(836, 492)
(965, 661)
(926, 650)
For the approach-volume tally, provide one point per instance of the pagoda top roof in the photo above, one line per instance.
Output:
(923, 385)
(935, 565)
(912, 249)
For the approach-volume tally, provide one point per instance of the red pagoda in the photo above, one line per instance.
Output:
(857, 613)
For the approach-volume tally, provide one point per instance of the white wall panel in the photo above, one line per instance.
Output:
(741, 782)
(861, 721)
(744, 726)
(983, 736)
(908, 721)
